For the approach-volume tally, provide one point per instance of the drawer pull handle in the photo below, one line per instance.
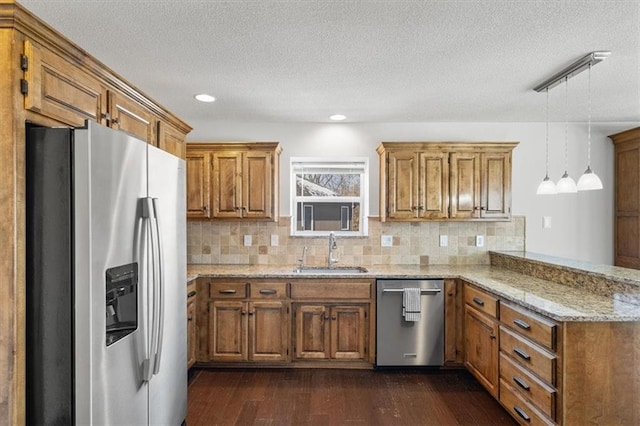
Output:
(478, 301)
(227, 291)
(521, 413)
(521, 383)
(522, 354)
(521, 324)
(192, 293)
(268, 291)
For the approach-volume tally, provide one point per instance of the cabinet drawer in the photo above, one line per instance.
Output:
(533, 326)
(328, 291)
(228, 290)
(268, 290)
(481, 300)
(532, 356)
(519, 408)
(535, 390)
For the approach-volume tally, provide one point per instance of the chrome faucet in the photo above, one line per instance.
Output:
(303, 259)
(333, 245)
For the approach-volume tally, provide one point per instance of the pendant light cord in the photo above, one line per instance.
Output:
(589, 122)
(547, 137)
(566, 125)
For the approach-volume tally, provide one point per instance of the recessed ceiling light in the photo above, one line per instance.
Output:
(203, 97)
(337, 117)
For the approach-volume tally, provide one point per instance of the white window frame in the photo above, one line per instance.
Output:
(295, 164)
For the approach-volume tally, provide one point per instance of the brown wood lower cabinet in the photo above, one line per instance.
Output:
(248, 322)
(331, 332)
(266, 321)
(481, 352)
(191, 324)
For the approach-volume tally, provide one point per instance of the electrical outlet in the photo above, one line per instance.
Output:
(386, 241)
(479, 240)
(247, 240)
(444, 240)
(274, 240)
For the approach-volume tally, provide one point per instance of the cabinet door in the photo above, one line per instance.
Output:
(268, 331)
(171, 140)
(433, 186)
(481, 348)
(465, 185)
(402, 197)
(198, 181)
(495, 185)
(312, 332)
(60, 90)
(257, 185)
(191, 332)
(129, 116)
(227, 330)
(453, 322)
(348, 332)
(226, 185)
(627, 199)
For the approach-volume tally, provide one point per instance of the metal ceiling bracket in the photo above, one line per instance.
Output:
(576, 68)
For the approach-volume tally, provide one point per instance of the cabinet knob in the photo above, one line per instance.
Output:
(115, 121)
(334, 318)
(243, 313)
(251, 312)
(204, 208)
(326, 317)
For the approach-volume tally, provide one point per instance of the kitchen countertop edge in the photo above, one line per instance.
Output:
(552, 299)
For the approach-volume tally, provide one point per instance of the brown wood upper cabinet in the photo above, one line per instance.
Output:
(445, 181)
(63, 88)
(233, 180)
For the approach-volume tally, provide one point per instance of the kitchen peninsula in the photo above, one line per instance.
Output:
(577, 316)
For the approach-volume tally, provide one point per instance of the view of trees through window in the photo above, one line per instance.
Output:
(328, 197)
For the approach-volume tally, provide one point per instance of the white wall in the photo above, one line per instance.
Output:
(582, 224)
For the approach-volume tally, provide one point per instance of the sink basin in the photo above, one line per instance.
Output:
(333, 270)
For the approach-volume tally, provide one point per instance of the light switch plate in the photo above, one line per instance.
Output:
(444, 240)
(247, 240)
(386, 241)
(546, 222)
(479, 240)
(274, 240)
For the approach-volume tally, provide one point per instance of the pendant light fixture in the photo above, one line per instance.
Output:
(547, 187)
(566, 185)
(589, 181)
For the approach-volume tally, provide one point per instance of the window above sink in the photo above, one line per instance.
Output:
(329, 195)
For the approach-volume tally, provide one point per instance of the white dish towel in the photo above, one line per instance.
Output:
(411, 304)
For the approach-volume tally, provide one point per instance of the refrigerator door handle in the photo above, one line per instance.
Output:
(151, 239)
(142, 248)
(160, 287)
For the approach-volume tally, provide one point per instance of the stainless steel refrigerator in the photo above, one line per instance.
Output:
(106, 275)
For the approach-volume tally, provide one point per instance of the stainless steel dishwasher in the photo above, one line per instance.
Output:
(409, 343)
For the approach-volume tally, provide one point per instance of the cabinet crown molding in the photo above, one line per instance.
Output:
(446, 146)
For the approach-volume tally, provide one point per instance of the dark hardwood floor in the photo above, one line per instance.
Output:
(340, 397)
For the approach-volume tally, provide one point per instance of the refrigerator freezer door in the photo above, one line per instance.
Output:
(168, 387)
(109, 181)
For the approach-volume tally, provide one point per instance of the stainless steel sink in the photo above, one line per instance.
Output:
(319, 270)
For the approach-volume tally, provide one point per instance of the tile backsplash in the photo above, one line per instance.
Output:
(413, 243)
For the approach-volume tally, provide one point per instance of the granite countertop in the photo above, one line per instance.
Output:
(556, 301)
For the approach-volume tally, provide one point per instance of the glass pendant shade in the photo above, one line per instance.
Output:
(589, 181)
(547, 187)
(566, 185)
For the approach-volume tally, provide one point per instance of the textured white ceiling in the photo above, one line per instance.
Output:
(374, 61)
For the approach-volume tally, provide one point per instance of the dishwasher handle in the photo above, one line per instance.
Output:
(422, 290)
